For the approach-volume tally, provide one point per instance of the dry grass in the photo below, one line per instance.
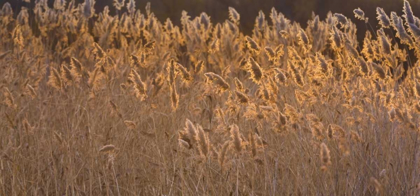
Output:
(94, 104)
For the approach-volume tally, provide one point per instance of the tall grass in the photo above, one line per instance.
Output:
(94, 104)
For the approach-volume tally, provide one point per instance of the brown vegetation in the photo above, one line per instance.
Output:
(94, 104)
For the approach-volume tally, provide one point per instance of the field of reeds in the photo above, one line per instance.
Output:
(94, 104)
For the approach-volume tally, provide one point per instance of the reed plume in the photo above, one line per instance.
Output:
(255, 70)
(325, 156)
(174, 97)
(139, 86)
(222, 154)
(236, 138)
(203, 141)
(55, 80)
(383, 18)
(218, 80)
(252, 45)
(234, 15)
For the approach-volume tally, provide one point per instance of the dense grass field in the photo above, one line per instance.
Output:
(94, 104)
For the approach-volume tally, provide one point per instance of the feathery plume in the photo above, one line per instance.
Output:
(359, 14)
(270, 53)
(236, 138)
(336, 38)
(398, 26)
(281, 76)
(253, 144)
(135, 62)
(107, 148)
(171, 71)
(255, 70)
(218, 80)
(222, 154)
(131, 7)
(66, 75)
(98, 51)
(184, 144)
(130, 124)
(363, 66)
(234, 15)
(238, 84)
(203, 141)
(385, 44)
(76, 68)
(199, 67)
(383, 18)
(408, 13)
(149, 46)
(214, 46)
(296, 74)
(205, 21)
(260, 21)
(139, 86)
(185, 75)
(341, 19)
(242, 97)
(325, 156)
(55, 80)
(303, 38)
(379, 70)
(174, 97)
(59, 4)
(252, 45)
(191, 130)
(94, 78)
(115, 109)
(87, 8)
(7, 9)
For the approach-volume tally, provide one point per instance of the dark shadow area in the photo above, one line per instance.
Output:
(296, 10)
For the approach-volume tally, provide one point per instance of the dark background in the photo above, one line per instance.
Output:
(295, 10)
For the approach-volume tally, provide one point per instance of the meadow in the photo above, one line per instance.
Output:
(125, 104)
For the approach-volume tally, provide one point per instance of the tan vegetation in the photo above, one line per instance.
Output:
(94, 104)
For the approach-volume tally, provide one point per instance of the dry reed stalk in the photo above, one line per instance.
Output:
(31, 91)
(8, 98)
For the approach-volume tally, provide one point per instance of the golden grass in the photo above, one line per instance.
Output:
(95, 104)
